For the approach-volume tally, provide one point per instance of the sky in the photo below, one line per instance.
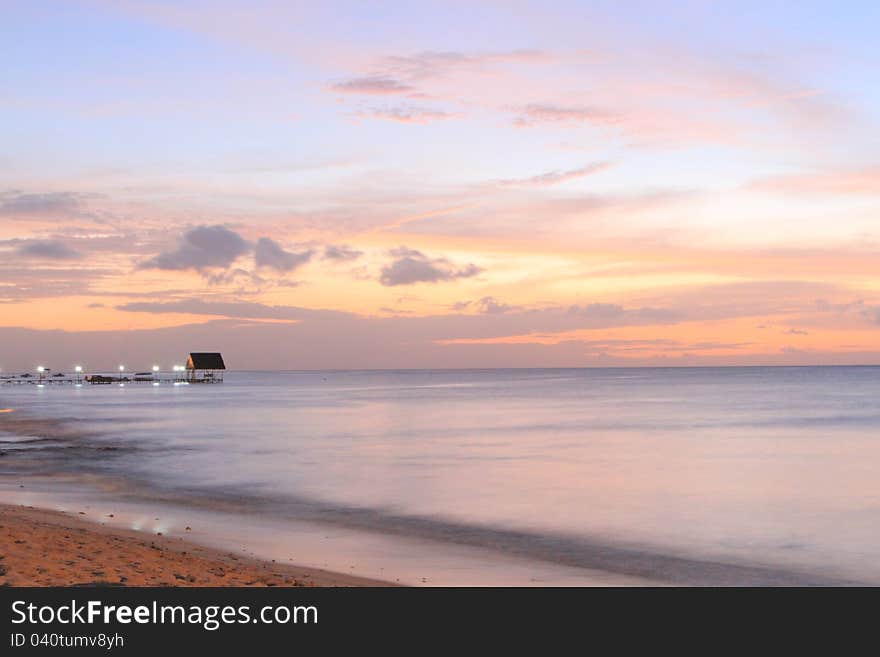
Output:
(457, 184)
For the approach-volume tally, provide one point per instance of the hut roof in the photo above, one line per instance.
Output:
(205, 361)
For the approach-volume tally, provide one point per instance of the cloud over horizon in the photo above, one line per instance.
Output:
(232, 309)
(201, 248)
(406, 113)
(537, 113)
(269, 253)
(411, 266)
(22, 203)
(341, 253)
(47, 249)
(555, 177)
(376, 84)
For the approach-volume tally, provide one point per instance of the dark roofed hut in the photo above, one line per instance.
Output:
(205, 367)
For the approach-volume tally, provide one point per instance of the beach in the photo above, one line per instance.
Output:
(40, 547)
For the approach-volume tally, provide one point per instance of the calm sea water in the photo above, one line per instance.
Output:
(715, 475)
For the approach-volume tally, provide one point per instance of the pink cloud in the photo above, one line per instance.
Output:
(534, 114)
(430, 64)
(863, 181)
(555, 177)
(372, 85)
(408, 114)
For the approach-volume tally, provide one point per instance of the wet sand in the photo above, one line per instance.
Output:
(49, 548)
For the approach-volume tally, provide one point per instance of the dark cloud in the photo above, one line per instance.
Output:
(374, 84)
(19, 203)
(341, 253)
(411, 266)
(201, 248)
(48, 249)
(269, 253)
(795, 331)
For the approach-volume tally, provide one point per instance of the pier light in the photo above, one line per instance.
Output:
(122, 368)
(41, 369)
(155, 368)
(78, 369)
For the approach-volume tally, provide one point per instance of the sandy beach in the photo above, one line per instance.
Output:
(49, 548)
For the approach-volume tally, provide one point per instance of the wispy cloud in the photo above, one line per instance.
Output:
(536, 114)
(407, 114)
(551, 178)
(857, 182)
(341, 253)
(429, 64)
(378, 85)
(46, 280)
(233, 309)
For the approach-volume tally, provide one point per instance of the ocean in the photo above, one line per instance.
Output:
(746, 475)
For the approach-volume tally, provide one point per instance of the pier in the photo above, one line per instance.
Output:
(200, 368)
(68, 378)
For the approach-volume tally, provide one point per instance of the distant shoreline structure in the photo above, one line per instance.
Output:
(201, 367)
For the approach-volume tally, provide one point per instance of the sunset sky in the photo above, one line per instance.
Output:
(457, 184)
